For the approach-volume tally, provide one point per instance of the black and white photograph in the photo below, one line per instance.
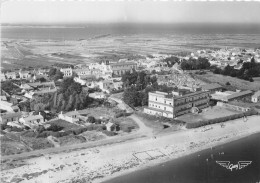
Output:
(130, 91)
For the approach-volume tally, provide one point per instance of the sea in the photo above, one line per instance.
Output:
(241, 35)
(202, 167)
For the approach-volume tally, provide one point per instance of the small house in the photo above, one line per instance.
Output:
(32, 120)
(256, 97)
(110, 126)
(10, 117)
(72, 116)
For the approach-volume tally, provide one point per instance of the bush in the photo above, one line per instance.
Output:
(127, 129)
(3, 126)
(54, 128)
(91, 119)
(109, 133)
(15, 129)
(98, 121)
(40, 129)
(29, 134)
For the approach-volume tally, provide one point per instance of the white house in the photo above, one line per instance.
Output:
(11, 75)
(2, 77)
(72, 116)
(32, 120)
(67, 72)
(110, 126)
(256, 97)
(9, 107)
(24, 74)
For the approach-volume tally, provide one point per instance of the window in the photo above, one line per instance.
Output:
(156, 98)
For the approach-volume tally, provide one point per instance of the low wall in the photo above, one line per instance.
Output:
(233, 107)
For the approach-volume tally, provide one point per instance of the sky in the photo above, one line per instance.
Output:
(142, 11)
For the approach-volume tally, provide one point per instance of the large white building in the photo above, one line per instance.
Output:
(176, 103)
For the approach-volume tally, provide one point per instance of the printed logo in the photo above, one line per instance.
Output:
(238, 166)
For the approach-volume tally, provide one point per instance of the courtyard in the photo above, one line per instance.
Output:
(207, 113)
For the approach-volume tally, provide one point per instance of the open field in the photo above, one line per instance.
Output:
(208, 113)
(210, 77)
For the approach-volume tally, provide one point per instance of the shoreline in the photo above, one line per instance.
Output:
(161, 161)
(103, 163)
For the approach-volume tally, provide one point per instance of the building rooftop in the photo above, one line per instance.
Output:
(239, 94)
(11, 115)
(211, 86)
(123, 63)
(34, 117)
(51, 83)
(257, 94)
(71, 113)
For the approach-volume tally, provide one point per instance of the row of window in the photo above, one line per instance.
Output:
(154, 105)
(180, 102)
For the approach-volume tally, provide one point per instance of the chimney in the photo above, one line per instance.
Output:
(39, 113)
(60, 112)
(75, 109)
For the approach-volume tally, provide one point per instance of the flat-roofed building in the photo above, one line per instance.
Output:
(213, 87)
(243, 95)
(83, 72)
(176, 103)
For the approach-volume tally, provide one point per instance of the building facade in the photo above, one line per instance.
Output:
(123, 67)
(67, 72)
(256, 97)
(172, 105)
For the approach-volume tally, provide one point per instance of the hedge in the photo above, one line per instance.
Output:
(221, 119)
(109, 133)
(78, 131)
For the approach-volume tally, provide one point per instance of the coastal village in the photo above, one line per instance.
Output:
(63, 104)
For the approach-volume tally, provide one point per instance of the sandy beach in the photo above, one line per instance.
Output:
(105, 162)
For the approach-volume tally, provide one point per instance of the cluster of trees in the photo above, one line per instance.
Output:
(55, 74)
(138, 79)
(138, 85)
(195, 64)
(9, 87)
(247, 72)
(70, 96)
(170, 61)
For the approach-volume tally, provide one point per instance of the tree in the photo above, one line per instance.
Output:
(24, 106)
(130, 96)
(42, 79)
(39, 107)
(91, 119)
